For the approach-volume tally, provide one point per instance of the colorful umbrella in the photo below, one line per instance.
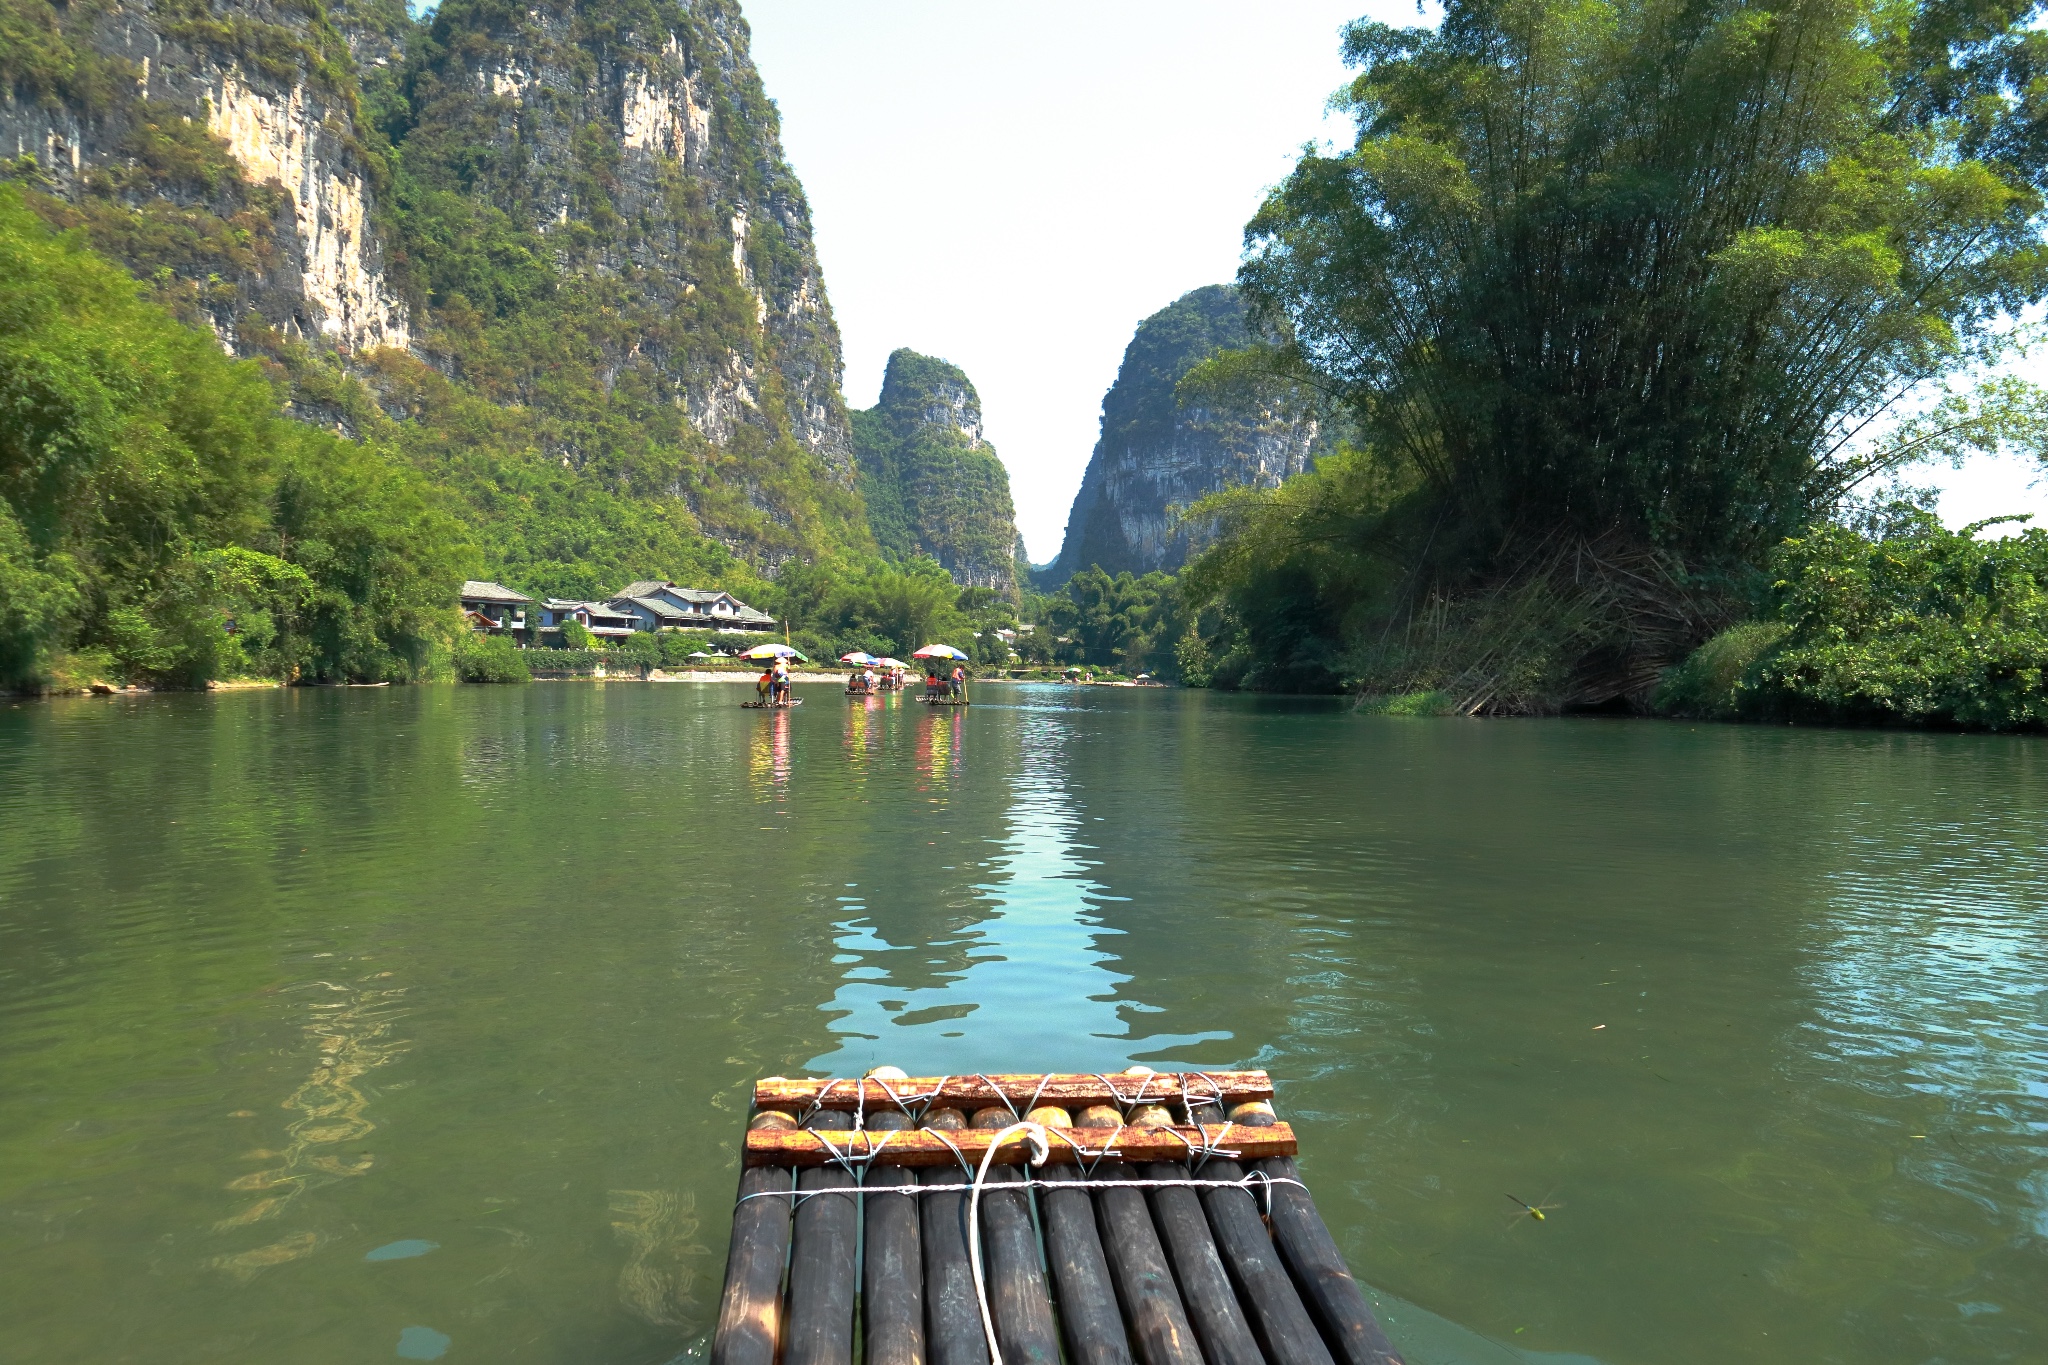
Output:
(775, 651)
(859, 656)
(890, 663)
(939, 652)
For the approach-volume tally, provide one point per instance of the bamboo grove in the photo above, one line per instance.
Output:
(1621, 295)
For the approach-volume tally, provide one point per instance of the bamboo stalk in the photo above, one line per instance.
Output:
(1277, 1316)
(1333, 1296)
(822, 1261)
(1093, 1331)
(1007, 1088)
(1212, 1304)
(750, 1310)
(892, 1270)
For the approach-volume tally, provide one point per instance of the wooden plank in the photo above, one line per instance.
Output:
(750, 1311)
(1212, 1304)
(1068, 1090)
(786, 1147)
(892, 1276)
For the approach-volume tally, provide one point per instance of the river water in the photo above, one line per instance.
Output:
(356, 1025)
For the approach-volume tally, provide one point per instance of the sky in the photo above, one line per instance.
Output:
(1014, 188)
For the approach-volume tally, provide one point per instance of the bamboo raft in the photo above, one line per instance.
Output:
(930, 700)
(772, 705)
(1138, 1219)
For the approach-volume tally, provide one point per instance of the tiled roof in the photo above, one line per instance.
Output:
(646, 587)
(479, 590)
(655, 605)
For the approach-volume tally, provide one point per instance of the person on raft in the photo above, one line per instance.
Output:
(959, 680)
(765, 684)
(780, 669)
(867, 679)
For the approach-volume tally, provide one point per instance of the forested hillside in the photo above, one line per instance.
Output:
(932, 482)
(1163, 449)
(550, 256)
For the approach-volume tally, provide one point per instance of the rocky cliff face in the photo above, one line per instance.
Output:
(216, 152)
(1156, 455)
(550, 251)
(631, 145)
(932, 482)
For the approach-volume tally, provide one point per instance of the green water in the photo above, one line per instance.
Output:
(287, 978)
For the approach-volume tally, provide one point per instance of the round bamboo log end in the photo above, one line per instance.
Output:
(1099, 1116)
(771, 1119)
(950, 1120)
(1150, 1116)
(1051, 1116)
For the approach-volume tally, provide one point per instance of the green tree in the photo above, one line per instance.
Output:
(162, 520)
(1620, 291)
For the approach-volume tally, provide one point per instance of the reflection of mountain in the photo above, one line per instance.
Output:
(1028, 954)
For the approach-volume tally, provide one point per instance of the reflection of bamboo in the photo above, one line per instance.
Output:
(350, 1036)
(657, 1226)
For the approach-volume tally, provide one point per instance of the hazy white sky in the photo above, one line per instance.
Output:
(1014, 187)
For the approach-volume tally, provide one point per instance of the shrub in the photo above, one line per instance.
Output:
(1717, 680)
(490, 659)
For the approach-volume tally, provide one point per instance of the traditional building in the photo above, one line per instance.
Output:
(657, 605)
(494, 609)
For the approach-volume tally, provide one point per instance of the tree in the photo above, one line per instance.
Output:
(1621, 292)
(162, 521)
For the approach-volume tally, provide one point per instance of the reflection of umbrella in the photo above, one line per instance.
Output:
(938, 652)
(773, 651)
(859, 656)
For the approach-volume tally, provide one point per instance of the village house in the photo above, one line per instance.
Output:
(599, 618)
(494, 609)
(657, 605)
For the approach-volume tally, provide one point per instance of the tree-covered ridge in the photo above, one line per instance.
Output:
(620, 353)
(162, 521)
(933, 485)
(1622, 295)
(1163, 448)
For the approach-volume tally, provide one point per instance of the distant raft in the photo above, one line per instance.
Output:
(772, 705)
(1171, 1227)
(942, 700)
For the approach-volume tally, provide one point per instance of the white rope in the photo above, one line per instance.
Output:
(1251, 1180)
(1040, 1151)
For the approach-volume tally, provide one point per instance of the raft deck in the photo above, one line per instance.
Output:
(1134, 1219)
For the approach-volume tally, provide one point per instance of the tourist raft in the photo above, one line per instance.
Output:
(1135, 1219)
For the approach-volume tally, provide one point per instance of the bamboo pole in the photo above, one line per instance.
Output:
(750, 1310)
(1353, 1333)
(892, 1267)
(822, 1261)
(1277, 1316)
(1073, 1249)
(1015, 1279)
(1137, 1267)
(1212, 1305)
(953, 1334)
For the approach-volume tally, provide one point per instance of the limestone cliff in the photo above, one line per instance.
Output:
(932, 482)
(1156, 455)
(551, 252)
(215, 152)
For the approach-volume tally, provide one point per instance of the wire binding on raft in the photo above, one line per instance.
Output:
(1262, 1276)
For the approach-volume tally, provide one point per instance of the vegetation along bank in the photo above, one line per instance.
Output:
(1581, 379)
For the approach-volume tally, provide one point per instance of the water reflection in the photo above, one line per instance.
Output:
(768, 755)
(1038, 956)
(349, 1025)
